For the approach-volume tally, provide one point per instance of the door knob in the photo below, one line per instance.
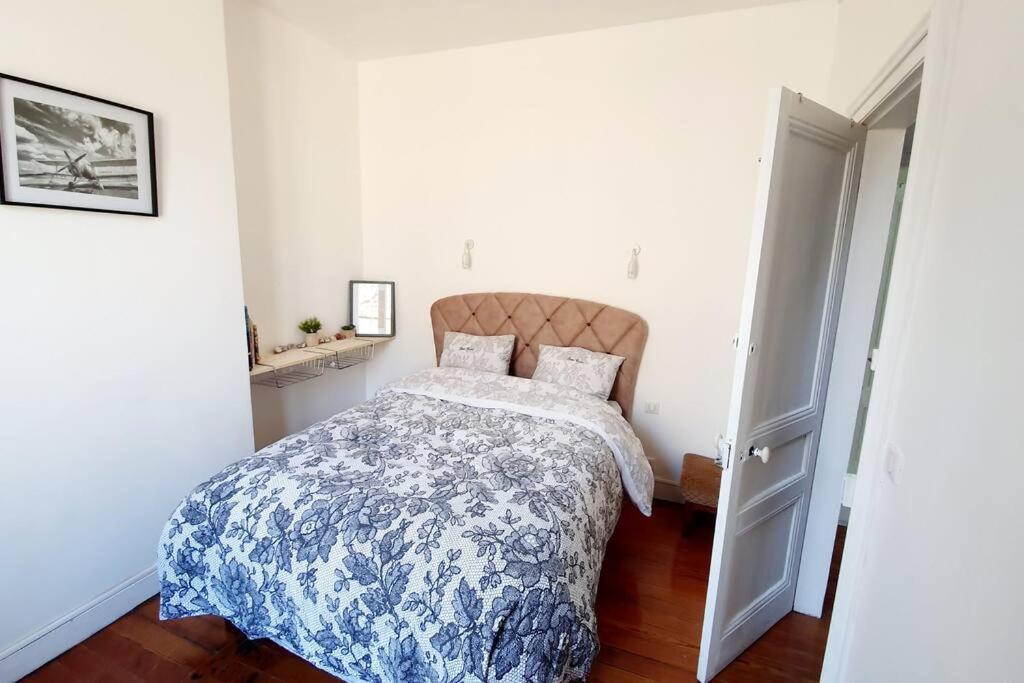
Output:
(763, 452)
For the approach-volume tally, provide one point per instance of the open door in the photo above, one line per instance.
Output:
(810, 169)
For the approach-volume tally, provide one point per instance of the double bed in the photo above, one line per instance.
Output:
(450, 529)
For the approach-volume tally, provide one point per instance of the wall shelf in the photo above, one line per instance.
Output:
(298, 365)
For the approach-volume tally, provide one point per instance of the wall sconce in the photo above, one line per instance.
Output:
(634, 266)
(467, 258)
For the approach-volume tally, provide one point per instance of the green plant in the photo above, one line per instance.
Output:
(310, 325)
(348, 328)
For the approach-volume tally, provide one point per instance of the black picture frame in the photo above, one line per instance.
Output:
(5, 173)
(352, 305)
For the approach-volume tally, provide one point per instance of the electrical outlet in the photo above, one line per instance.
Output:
(652, 407)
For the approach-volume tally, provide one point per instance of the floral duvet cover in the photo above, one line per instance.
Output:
(452, 529)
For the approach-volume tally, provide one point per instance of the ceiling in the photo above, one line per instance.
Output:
(372, 29)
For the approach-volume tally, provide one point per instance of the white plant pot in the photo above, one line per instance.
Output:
(312, 339)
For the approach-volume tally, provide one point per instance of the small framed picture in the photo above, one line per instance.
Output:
(372, 307)
(65, 150)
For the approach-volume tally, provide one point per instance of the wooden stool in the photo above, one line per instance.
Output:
(700, 482)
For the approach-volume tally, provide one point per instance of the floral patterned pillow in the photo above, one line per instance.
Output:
(489, 354)
(589, 371)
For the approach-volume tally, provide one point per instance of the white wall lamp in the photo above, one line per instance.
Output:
(467, 257)
(634, 265)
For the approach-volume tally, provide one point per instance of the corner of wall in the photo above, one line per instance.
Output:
(300, 231)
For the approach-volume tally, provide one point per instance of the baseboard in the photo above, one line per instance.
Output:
(51, 640)
(666, 489)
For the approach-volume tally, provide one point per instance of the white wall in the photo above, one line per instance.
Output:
(938, 597)
(121, 338)
(557, 155)
(295, 126)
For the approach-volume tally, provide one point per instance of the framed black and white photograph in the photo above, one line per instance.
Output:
(66, 150)
(372, 307)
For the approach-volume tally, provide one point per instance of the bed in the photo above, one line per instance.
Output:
(450, 529)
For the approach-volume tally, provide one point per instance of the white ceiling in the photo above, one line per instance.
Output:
(371, 29)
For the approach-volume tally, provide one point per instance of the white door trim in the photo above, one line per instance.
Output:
(942, 29)
(892, 77)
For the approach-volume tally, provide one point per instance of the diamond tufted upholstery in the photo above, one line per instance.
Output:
(537, 319)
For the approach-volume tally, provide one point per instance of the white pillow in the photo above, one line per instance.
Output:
(589, 371)
(475, 352)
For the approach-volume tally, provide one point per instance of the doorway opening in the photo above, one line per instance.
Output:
(885, 171)
(879, 209)
(849, 481)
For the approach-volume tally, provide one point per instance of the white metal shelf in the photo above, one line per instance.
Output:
(298, 365)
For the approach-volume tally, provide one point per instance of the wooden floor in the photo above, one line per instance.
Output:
(650, 607)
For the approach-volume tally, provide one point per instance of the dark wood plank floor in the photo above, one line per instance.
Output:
(650, 607)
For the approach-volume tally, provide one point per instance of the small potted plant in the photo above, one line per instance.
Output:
(311, 326)
(347, 332)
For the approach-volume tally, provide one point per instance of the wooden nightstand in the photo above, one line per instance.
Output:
(700, 482)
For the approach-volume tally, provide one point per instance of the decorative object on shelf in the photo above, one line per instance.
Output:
(255, 343)
(311, 326)
(372, 308)
(347, 332)
(65, 150)
(467, 257)
(634, 266)
(277, 349)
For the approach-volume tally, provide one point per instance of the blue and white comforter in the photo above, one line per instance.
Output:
(452, 529)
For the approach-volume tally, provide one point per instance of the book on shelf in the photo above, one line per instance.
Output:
(249, 339)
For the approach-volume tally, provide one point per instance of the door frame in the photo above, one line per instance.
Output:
(941, 28)
(869, 244)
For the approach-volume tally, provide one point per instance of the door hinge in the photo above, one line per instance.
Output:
(725, 448)
(849, 485)
(873, 360)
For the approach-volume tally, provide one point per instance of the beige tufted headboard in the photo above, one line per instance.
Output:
(537, 319)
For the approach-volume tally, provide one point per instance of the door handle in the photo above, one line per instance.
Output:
(763, 452)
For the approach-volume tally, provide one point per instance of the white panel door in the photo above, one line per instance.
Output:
(809, 173)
